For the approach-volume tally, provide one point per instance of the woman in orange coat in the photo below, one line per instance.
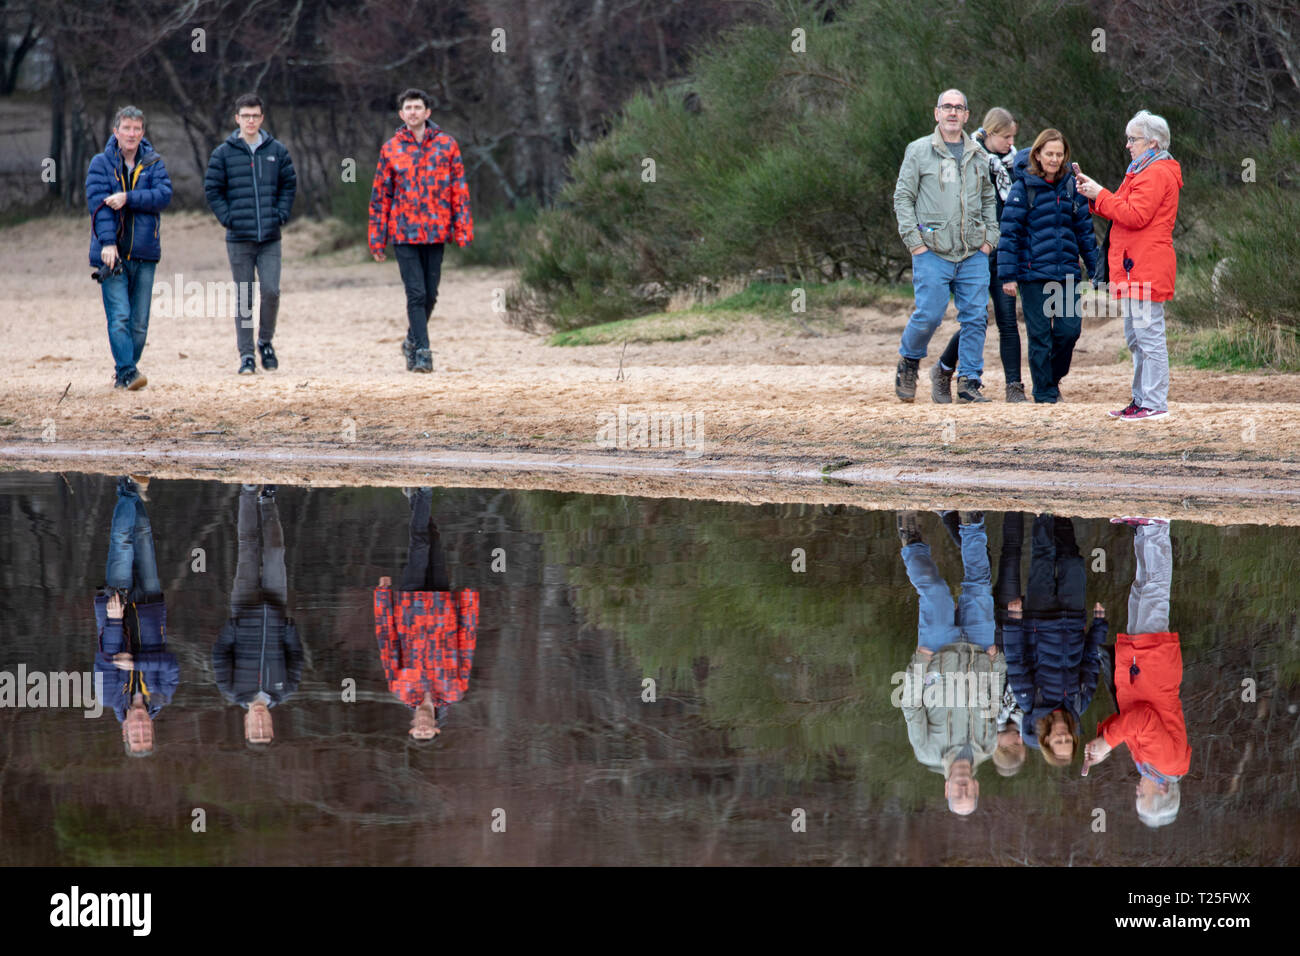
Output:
(1142, 262)
(1148, 677)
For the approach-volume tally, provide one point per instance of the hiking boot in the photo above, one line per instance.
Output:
(269, 361)
(905, 378)
(968, 390)
(423, 361)
(1128, 409)
(268, 493)
(141, 483)
(135, 381)
(247, 365)
(1016, 392)
(1130, 415)
(941, 384)
(909, 527)
(971, 517)
(408, 353)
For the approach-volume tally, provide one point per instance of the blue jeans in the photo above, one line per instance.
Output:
(127, 298)
(1053, 321)
(132, 564)
(934, 279)
(1004, 313)
(939, 623)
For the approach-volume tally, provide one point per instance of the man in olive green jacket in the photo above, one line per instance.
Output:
(946, 207)
(950, 699)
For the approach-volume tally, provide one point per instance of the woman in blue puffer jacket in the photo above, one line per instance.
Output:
(1046, 227)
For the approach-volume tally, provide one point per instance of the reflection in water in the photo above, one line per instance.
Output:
(1053, 651)
(654, 680)
(257, 659)
(954, 681)
(1148, 682)
(426, 631)
(139, 674)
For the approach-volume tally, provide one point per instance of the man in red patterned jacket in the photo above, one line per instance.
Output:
(426, 631)
(418, 202)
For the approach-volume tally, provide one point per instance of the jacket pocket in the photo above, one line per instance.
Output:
(938, 234)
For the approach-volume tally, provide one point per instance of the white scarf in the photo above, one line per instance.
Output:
(999, 166)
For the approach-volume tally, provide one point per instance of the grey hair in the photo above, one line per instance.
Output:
(964, 102)
(1160, 809)
(128, 112)
(1150, 126)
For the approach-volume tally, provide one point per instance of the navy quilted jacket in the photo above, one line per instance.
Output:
(1045, 228)
(251, 191)
(1051, 663)
(135, 227)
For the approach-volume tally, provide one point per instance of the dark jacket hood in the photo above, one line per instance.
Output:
(112, 151)
(235, 139)
(1020, 170)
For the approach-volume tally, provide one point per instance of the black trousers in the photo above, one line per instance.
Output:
(1056, 574)
(426, 562)
(421, 269)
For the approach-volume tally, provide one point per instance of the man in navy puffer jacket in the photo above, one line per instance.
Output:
(127, 187)
(250, 185)
(1045, 228)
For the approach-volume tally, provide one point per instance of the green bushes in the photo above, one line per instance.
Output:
(1241, 286)
(783, 162)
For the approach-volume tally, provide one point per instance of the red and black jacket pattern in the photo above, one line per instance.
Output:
(419, 195)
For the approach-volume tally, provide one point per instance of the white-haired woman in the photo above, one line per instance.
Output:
(1142, 260)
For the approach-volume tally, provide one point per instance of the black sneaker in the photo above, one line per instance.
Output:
(408, 353)
(423, 361)
(905, 378)
(247, 365)
(268, 493)
(135, 380)
(968, 390)
(269, 361)
(1016, 392)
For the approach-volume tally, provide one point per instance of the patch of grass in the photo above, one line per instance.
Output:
(661, 327)
(1238, 347)
(778, 298)
(766, 300)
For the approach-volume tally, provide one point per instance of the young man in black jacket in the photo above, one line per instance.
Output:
(257, 659)
(250, 185)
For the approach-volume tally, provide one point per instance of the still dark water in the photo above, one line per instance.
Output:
(773, 736)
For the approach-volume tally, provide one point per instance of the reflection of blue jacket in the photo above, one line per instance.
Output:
(1045, 227)
(1052, 663)
(135, 227)
(156, 673)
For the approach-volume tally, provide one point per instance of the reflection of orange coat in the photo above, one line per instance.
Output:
(1150, 718)
(1142, 212)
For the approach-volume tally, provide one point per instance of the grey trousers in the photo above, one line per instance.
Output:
(265, 258)
(1148, 599)
(260, 574)
(1144, 334)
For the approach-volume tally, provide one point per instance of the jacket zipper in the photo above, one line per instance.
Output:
(257, 201)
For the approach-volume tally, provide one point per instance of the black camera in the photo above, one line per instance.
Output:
(103, 272)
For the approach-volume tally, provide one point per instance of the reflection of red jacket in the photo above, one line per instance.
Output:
(1150, 718)
(426, 642)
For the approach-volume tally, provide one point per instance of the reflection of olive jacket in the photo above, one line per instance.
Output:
(950, 210)
(938, 730)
